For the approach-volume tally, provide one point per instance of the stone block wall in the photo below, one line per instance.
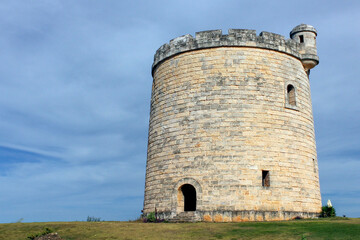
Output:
(219, 117)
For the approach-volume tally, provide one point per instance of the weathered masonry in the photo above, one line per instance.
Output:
(231, 134)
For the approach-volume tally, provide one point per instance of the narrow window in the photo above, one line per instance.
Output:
(291, 95)
(265, 178)
(314, 164)
(301, 38)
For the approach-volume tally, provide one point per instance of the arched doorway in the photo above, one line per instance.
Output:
(190, 189)
(189, 194)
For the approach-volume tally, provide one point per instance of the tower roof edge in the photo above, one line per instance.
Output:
(303, 28)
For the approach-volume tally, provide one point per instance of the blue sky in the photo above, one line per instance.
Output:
(75, 84)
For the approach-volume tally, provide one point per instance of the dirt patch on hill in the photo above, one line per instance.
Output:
(50, 236)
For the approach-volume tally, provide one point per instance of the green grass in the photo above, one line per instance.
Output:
(338, 228)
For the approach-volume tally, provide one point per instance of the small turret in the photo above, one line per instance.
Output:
(306, 36)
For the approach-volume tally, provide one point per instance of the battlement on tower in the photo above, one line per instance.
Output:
(234, 38)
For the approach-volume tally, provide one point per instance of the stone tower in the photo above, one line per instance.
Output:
(231, 134)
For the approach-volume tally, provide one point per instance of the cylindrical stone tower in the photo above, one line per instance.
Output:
(231, 135)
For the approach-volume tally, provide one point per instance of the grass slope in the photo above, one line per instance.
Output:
(300, 229)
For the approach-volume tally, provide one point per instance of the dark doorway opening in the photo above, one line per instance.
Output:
(189, 193)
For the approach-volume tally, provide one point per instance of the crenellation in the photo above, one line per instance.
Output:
(273, 37)
(235, 37)
(243, 34)
(182, 40)
(207, 36)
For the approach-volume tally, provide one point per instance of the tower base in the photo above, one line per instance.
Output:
(234, 216)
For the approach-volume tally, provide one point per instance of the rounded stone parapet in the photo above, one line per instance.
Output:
(303, 28)
(234, 38)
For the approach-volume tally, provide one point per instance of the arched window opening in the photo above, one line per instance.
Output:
(189, 194)
(291, 95)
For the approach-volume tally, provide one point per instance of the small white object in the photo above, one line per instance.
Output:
(329, 203)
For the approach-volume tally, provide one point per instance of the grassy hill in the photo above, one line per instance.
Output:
(337, 228)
